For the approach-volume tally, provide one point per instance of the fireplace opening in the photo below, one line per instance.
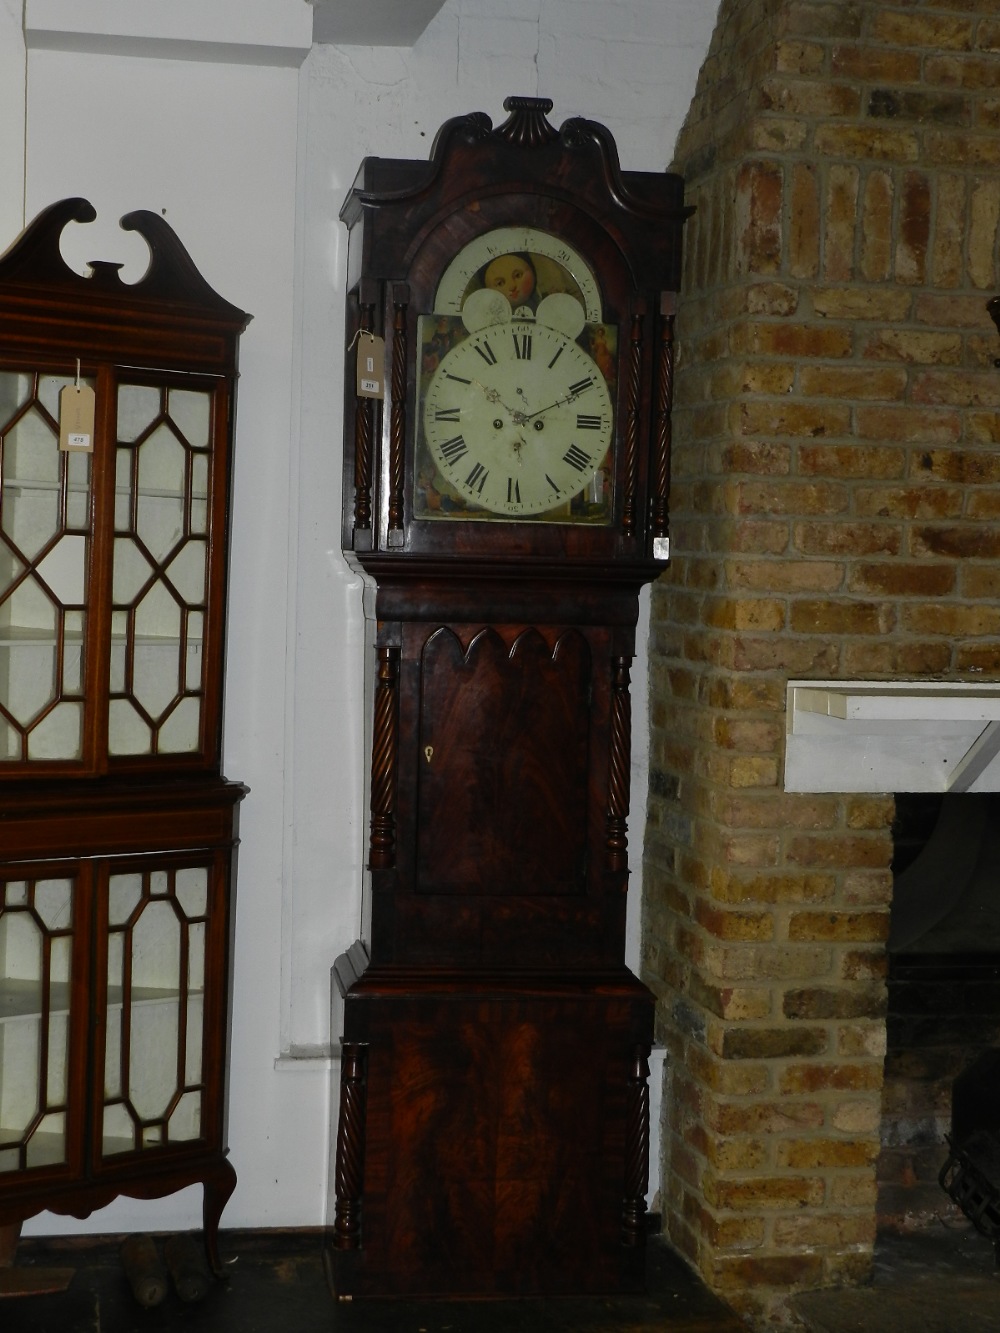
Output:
(943, 991)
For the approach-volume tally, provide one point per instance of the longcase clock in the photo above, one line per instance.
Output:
(508, 390)
(117, 829)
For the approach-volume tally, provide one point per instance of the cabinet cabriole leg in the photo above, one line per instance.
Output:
(218, 1191)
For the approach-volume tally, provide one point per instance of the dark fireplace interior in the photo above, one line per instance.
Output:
(944, 991)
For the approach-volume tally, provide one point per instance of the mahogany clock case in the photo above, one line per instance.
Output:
(494, 1113)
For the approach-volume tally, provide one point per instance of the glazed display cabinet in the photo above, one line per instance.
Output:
(117, 829)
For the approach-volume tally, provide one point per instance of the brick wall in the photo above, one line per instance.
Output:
(835, 485)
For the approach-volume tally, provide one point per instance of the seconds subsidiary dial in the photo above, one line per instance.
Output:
(518, 419)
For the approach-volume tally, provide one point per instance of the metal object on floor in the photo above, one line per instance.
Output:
(145, 1270)
(189, 1270)
(969, 1178)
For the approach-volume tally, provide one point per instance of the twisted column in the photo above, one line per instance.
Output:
(397, 414)
(385, 755)
(364, 412)
(663, 430)
(349, 1170)
(633, 380)
(636, 1149)
(621, 761)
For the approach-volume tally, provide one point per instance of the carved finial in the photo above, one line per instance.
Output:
(526, 125)
(104, 273)
(475, 127)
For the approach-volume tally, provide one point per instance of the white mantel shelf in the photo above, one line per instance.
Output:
(889, 736)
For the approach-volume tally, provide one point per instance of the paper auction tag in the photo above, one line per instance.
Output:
(371, 365)
(76, 418)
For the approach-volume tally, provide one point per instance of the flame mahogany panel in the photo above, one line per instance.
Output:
(502, 1136)
(502, 798)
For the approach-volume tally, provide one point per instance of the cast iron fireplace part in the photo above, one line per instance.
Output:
(971, 1175)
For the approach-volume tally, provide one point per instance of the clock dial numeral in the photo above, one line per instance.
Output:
(522, 346)
(575, 457)
(586, 422)
(454, 449)
(476, 479)
(513, 491)
(554, 485)
(486, 352)
(581, 386)
(557, 356)
(452, 414)
(457, 378)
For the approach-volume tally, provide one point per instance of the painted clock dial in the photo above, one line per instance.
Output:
(517, 418)
(515, 386)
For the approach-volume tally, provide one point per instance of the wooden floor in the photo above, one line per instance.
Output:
(278, 1285)
(941, 1281)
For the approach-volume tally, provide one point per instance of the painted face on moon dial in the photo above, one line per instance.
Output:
(524, 264)
(518, 418)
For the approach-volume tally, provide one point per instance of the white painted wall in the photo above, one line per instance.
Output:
(251, 165)
(12, 63)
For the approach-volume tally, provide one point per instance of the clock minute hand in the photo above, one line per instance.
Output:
(542, 410)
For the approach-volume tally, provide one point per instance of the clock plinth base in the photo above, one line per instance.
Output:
(500, 1129)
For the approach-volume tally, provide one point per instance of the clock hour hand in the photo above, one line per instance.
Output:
(493, 396)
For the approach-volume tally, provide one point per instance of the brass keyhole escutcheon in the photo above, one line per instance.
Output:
(428, 752)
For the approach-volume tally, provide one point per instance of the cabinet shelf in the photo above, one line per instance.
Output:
(23, 636)
(27, 636)
(44, 1149)
(17, 485)
(19, 999)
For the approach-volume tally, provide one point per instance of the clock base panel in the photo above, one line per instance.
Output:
(499, 1128)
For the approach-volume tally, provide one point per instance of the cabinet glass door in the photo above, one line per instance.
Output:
(154, 1081)
(44, 535)
(36, 946)
(160, 581)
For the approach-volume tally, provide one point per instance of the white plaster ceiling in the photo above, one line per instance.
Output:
(372, 22)
(262, 32)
